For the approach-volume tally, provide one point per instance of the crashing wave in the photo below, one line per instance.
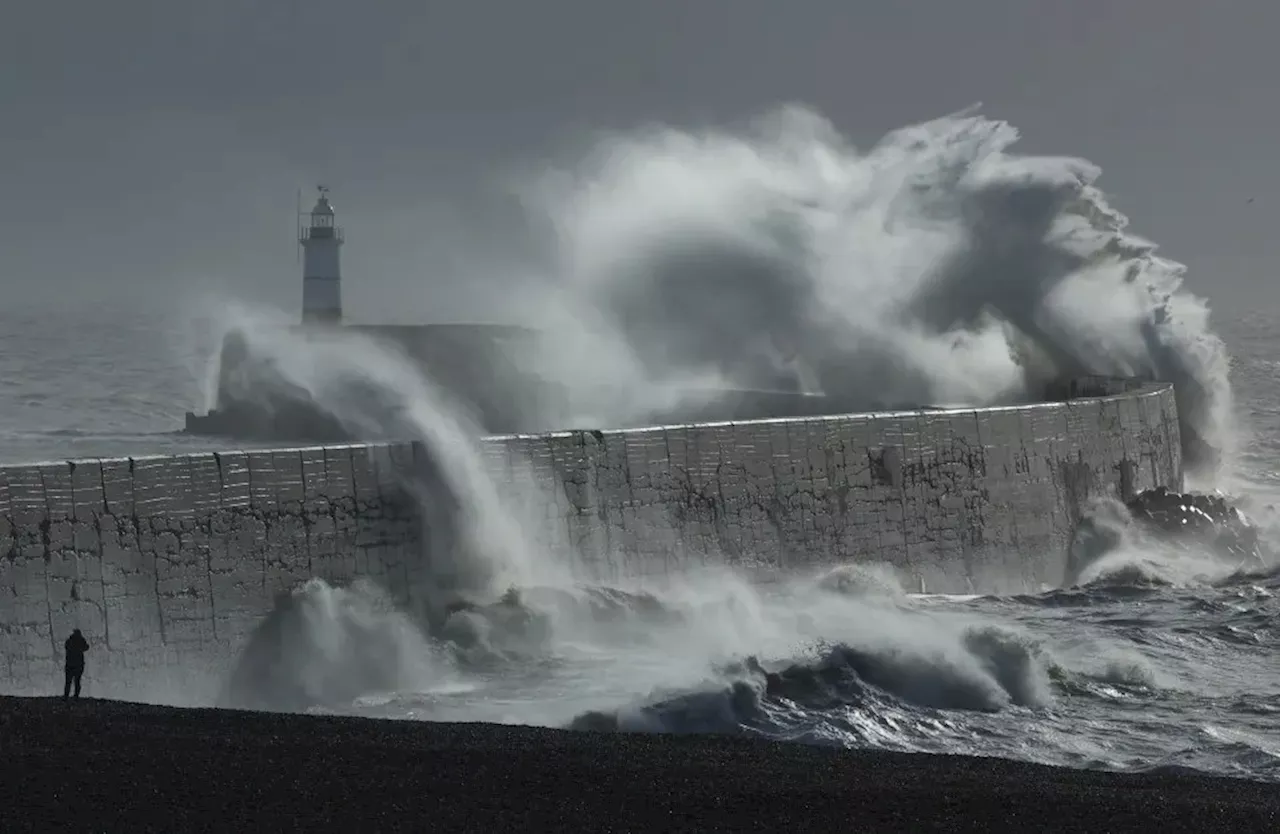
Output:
(325, 646)
(993, 670)
(937, 265)
(1160, 538)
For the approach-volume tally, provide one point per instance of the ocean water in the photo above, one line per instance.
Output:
(1161, 657)
(97, 380)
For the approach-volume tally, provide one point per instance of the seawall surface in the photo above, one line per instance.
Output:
(167, 564)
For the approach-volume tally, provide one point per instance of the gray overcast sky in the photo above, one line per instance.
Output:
(158, 143)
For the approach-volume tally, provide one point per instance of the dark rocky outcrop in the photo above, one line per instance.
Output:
(1207, 519)
(1196, 520)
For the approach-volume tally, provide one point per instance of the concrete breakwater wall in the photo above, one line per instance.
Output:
(171, 562)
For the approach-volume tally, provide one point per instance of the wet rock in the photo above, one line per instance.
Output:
(1189, 519)
(1196, 518)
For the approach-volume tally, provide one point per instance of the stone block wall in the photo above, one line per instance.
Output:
(957, 500)
(168, 563)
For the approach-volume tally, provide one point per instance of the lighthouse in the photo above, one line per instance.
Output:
(321, 238)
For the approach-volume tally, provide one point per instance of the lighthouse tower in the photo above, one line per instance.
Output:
(321, 238)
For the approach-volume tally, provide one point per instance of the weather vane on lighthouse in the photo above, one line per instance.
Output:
(321, 239)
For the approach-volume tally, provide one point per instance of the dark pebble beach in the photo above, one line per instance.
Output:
(111, 766)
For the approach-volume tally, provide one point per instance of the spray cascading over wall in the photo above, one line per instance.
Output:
(935, 267)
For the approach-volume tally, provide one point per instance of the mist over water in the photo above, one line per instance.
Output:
(934, 267)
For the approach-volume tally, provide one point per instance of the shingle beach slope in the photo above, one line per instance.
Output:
(123, 767)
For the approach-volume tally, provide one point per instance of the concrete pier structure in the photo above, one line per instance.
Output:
(168, 563)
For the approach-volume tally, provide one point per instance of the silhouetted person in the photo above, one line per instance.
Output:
(75, 647)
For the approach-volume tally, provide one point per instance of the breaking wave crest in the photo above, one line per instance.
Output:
(994, 670)
(888, 697)
(325, 645)
(841, 658)
(936, 266)
(1111, 550)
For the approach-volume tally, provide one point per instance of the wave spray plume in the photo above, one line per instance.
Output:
(937, 267)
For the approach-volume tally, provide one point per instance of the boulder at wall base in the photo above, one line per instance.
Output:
(1207, 519)
(1186, 519)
